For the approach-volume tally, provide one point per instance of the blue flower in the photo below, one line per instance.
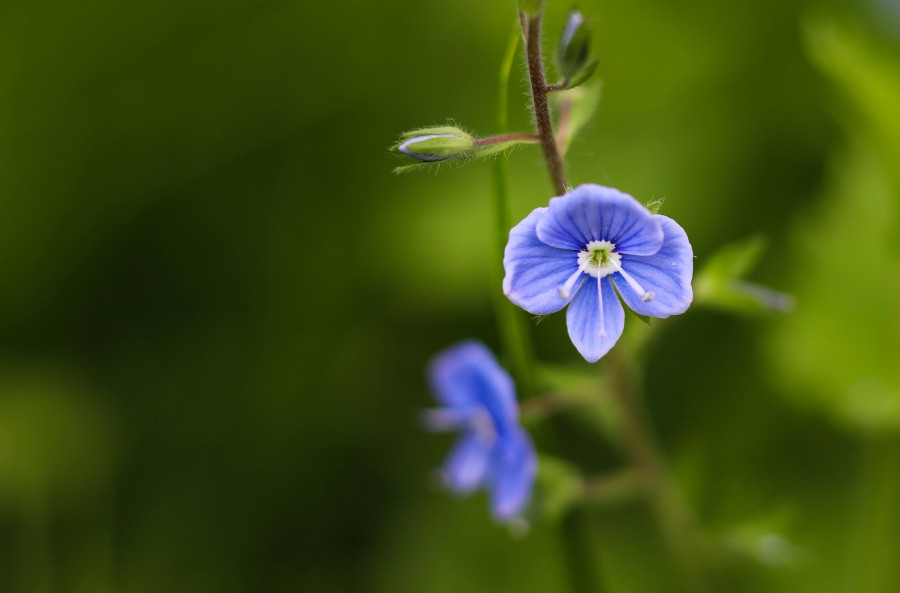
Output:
(596, 232)
(478, 398)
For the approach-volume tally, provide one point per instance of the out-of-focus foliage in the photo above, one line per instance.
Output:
(216, 301)
(722, 284)
(840, 351)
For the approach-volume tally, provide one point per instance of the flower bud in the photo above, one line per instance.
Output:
(574, 45)
(435, 144)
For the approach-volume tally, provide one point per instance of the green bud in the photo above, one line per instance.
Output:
(574, 46)
(435, 144)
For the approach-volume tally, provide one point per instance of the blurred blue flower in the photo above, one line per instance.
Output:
(598, 232)
(478, 398)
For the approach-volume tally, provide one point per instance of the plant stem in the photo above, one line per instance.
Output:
(539, 91)
(507, 138)
(872, 539)
(577, 551)
(675, 521)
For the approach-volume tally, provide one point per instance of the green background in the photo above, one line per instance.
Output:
(217, 302)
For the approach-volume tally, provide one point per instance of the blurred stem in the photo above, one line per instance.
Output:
(539, 90)
(612, 488)
(513, 332)
(871, 565)
(576, 539)
(674, 519)
(36, 569)
(580, 560)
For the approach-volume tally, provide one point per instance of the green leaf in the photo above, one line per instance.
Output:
(583, 75)
(576, 109)
(720, 285)
(838, 352)
(645, 318)
(737, 259)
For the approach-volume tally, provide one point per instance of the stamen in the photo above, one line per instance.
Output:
(600, 300)
(646, 295)
(566, 289)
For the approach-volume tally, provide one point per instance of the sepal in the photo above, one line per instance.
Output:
(577, 108)
(572, 55)
(654, 206)
(435, 144)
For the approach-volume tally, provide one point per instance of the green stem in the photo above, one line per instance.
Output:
(513, 332)
(580, 561)
(675, 521)
(575, 529)
(873, 540)
(507, 138)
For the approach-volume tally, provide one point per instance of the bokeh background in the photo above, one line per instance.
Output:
(217, 302)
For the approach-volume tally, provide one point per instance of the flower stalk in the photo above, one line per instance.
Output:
(675, 521)
(648, 470)
(539, 90)
(506, 138)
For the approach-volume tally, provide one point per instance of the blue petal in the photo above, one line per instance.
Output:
(667, 273)
(466, 466)
(467, 376)
(535, 271)
(597, 213)
(583, 319)
(512, 475)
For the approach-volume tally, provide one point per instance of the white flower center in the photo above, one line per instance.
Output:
(599, 259)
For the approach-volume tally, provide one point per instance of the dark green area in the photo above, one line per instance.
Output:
(205, 387)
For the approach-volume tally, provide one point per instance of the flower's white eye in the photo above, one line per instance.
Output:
(599, 259)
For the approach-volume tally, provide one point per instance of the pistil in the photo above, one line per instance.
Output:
(600, 307)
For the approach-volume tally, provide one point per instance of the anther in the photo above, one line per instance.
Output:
(566, 289)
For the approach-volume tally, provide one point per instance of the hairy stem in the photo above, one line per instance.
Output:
(539, 91)
(507, 138)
